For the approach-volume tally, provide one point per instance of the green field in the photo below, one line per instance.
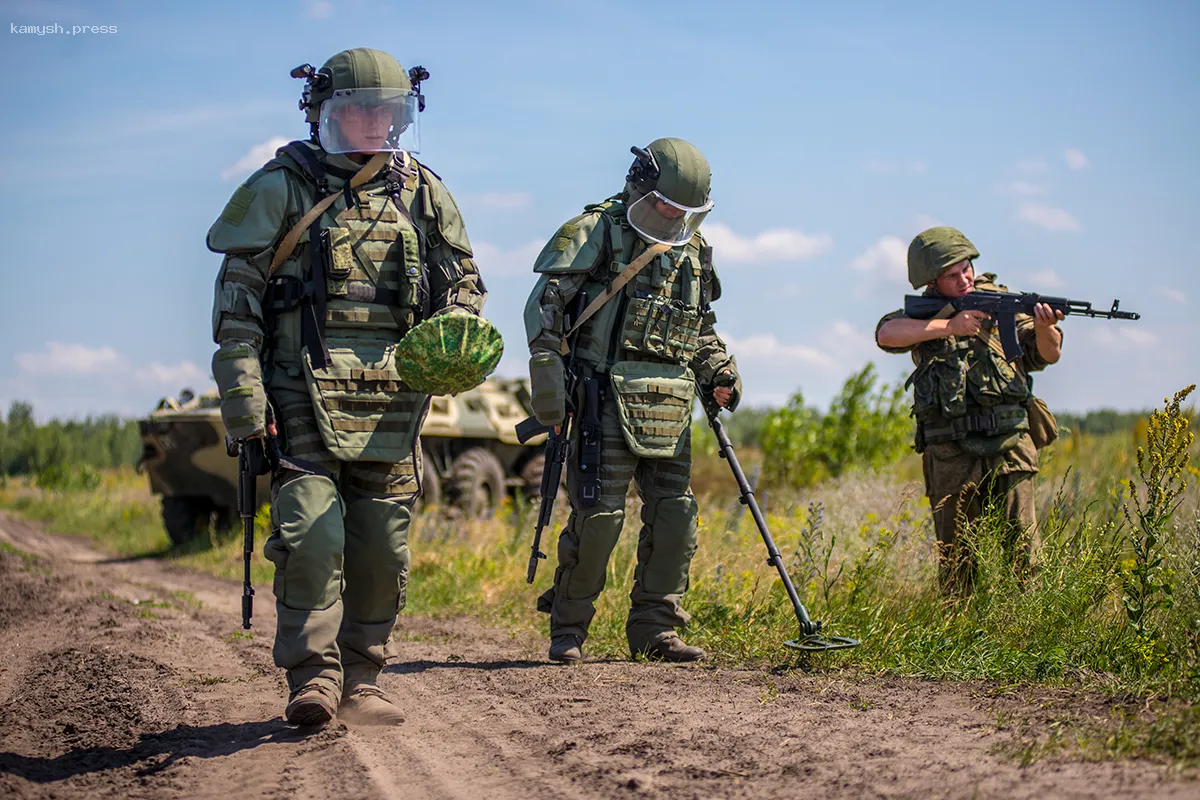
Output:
(1114, 607)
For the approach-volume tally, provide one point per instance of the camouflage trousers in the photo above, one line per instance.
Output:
(666, 543)
(340, 549)
(961, 487)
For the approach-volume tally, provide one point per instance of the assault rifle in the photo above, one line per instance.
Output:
(253, 461)
(1003, 308)
(556, 452)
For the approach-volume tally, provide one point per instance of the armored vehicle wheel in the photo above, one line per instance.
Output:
(185, 517)
(476, 482)
(431, 486)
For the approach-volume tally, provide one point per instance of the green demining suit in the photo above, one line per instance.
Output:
(392, 251)
(648, 349)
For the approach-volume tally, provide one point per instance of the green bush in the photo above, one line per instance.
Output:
(867, 425)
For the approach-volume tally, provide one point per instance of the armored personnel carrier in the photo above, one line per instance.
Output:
(472, 459)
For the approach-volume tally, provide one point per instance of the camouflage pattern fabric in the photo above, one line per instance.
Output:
(666, 542)
(448, 354)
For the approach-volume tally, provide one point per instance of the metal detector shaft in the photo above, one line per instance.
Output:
(807, 626)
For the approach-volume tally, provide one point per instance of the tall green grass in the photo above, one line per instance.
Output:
(1113, 604)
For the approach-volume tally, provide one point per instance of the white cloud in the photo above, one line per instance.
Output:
(1026, 189)
(766, 349)
(319, 9)
(777, 244)
(887, 259)
(925, 221)
(1048, 217)
(1033, 166)
(494, 261)
(68, 359)
(1172, 294)
(1122, 336)
(254, 158)
(168, 377)
(1076, 159)
(65, 360)
(1046, 279)
(505, 200)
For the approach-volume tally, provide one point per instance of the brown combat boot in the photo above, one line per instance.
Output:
(566, 648)
(672, 649)
(364, 703)
(312, 705)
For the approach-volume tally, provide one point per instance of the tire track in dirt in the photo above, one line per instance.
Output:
(127, 679)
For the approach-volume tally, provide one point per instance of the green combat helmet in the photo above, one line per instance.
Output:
(934, 250)
(370, 86)
(668, 185)
(449, 353)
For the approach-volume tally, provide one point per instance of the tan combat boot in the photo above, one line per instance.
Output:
(364, 703)
(566, 648)
(672, 649)
(312, 705)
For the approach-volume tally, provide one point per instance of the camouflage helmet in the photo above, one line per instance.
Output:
(932, 251)
(360, 68)
(449, 353)
(676, 168)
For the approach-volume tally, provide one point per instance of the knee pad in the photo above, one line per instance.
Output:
(667, 545)
(584, 561)
(306, 543)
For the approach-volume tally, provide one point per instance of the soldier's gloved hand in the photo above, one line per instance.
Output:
(548, 386)
(256, 454)
(726, 388)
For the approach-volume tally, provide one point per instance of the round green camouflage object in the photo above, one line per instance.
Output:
(449, 353)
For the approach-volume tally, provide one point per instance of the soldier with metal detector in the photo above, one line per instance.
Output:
(638, 351)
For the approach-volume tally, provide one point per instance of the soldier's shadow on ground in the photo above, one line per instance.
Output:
(154, 752)
(423, 665)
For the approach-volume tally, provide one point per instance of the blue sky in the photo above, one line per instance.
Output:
(1059, 136)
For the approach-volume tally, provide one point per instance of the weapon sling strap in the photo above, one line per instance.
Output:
(288, 245)
(615, 288)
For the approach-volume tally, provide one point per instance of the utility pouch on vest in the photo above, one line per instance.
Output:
(363, 410)
(1043, 427)
(589, 444)
(991, 380)
(654, 402)
(667, 329)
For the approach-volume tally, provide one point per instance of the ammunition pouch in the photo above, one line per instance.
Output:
(1002, 419)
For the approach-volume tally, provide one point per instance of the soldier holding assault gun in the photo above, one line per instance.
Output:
(972, 404)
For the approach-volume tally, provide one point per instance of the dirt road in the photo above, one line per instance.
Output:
(128, 679)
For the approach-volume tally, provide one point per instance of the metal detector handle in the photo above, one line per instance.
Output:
(807, 626)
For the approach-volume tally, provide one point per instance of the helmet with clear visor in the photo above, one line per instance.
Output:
(668, 187)
(370, 120)
(362, 101)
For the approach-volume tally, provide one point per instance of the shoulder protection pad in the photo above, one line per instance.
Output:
(987, 282)
(575, 247)
(253, 217)
(448, 218)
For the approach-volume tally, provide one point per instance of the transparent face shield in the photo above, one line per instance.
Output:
(370, 121)
(657, 218)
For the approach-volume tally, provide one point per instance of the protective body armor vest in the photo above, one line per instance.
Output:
(964, 390)
(337, 307)
(646, 338)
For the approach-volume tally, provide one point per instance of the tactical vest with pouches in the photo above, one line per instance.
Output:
(339, 305)
(646, 338)
(965, 391)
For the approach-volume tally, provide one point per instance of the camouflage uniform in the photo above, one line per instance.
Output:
(973, 434)
(394, 251)
(649, 347)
